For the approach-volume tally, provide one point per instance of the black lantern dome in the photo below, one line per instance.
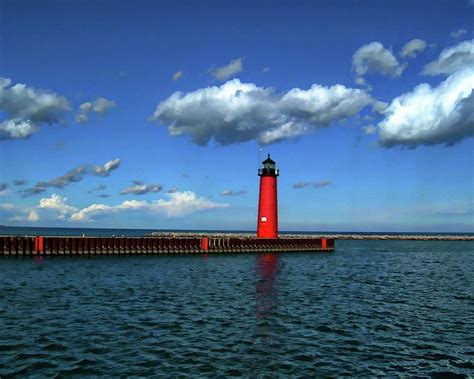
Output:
(268, 168)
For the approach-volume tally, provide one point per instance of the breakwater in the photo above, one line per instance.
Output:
(335, 236)
(39, 245)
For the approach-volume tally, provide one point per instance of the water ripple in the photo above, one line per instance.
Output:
(390, 308)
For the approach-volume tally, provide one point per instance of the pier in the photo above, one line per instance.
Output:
(39, 245)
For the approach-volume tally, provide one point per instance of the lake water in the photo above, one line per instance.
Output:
(372, 308)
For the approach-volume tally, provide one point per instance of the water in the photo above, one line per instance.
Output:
(372, 308)
(97, 232)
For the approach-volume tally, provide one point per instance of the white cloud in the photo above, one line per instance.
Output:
(107, 168)
(233, 193)
(33, 217)
(72, 176)
(238, 112)
(319, 184)
(179, 204)
(100, 105)
(178, 75)
(57, 203)
(14, 212)
(428, 116)
(17, 129)
(25, 108)
(379, 106)
(452, 59)
(412, 48)
(184, 203)
(141, 189)
(86, 214)
(375, 58)
(29, 216)
(458, 33)
(228, 71)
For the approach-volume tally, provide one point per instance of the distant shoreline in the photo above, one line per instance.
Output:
(337, 235)
(353, 236)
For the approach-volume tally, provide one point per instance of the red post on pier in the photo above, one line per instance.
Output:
(324, 243)
(39, 245)
(267, 223)
(205, 243)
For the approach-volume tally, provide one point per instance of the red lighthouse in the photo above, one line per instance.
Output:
(267, 224)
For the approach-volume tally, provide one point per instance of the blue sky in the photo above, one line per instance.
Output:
(151, 114)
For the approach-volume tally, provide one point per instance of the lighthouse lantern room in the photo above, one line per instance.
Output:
(267, 223)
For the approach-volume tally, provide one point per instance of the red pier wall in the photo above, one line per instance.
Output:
(20, 245)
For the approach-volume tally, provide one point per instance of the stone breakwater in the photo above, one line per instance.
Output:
(355, 236)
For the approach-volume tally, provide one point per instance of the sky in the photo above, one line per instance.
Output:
(156, 114)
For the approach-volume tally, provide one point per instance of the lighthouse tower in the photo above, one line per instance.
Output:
(267, 224)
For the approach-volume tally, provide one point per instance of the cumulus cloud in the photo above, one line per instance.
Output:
(86, 214)
(233, 193)
(75, 175)
(179, 204)
(57, 203)
(452, 59)
(100, 106)
(18, 213)
(228, 71)
(458, 33)
(184, 203)
(375, 58)
(428, 116)
(319, 184)
(412, 48)
(379, 106)
(238, 112)
(17, 129)
(141, 189)
(39, 106)
(32, 216)
(26, 108)
(178, 75)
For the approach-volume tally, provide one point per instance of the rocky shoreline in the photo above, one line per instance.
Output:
(354, 236)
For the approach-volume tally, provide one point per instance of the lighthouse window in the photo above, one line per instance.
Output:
(264, 219)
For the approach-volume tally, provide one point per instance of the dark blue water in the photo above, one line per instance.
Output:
(372, 308)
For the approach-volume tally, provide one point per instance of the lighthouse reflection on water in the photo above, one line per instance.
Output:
(267, 227)
(266, 297)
